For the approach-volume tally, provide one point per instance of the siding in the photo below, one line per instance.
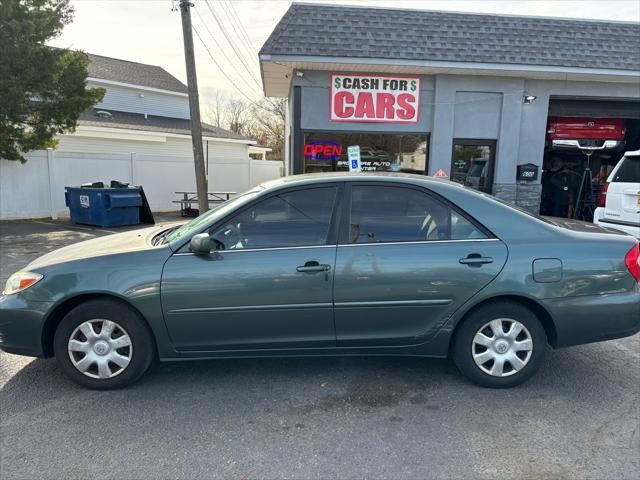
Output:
(36, 188)
(127, 99)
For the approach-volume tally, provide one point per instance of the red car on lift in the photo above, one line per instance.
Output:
(581, 133)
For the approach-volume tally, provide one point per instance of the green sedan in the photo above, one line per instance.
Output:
(342, 264)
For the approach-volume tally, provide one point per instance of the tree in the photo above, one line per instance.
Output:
(42, 89)
(237, 116)
(263, 121)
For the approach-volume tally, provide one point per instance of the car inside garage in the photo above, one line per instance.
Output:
(585, 139)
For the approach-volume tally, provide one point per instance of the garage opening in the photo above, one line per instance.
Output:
(585, 139)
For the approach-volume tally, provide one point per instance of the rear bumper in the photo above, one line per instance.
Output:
(626, 227)
(595, 318)
(21, 325)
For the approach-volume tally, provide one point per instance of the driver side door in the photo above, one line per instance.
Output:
(267, 286)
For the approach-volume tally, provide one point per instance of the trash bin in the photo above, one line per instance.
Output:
(104, 207)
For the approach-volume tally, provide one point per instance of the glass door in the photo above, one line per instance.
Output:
(472, 163)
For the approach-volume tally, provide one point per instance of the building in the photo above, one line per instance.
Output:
(139, 133)
(467, 95)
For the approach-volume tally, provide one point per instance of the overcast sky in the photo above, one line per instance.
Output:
(148, 31)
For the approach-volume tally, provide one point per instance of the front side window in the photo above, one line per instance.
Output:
(398, 214)
(291, 219)
(472, 163)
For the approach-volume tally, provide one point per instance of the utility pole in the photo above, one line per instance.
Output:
(194, 107)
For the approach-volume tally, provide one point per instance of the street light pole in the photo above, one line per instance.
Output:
(194, 107)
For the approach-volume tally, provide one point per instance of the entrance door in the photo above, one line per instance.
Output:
(269, 285)
(472, 163)
(407, 263)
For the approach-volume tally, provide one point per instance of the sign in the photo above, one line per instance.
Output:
(323, 150)
(527, 172)
(440, 173)
(84, 201)
(374, 98)
(354, 158)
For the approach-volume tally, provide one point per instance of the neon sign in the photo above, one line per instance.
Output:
(323, 150)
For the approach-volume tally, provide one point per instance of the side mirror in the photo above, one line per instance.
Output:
(201, 244)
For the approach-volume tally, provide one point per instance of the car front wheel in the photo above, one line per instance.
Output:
(500, 345)
(102, 344)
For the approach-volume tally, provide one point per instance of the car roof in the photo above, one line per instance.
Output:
(314, 178)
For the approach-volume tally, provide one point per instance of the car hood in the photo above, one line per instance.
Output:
(132, 241)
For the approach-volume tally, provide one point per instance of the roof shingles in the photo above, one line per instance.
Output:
(134, 73)
(153, 123)
(312, 30)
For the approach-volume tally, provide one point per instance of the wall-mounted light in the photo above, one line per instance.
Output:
(141, 95)
(529, 99)
(299, 74)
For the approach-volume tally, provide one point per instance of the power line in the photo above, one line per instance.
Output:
(224, 73)
(231, 43)
(242, 35)
(225, 55)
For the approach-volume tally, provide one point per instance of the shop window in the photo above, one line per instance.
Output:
(399, 214)
(473, 162)
(327, 152)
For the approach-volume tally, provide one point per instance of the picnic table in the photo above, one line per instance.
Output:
(189, 198)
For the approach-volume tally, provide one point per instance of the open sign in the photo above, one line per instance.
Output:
(322, 150)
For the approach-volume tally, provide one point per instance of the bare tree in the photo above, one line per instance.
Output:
(216, 109)
(263, 121)
(237, 116)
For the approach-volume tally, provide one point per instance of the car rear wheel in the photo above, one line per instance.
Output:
(102, 344)
(500, 345)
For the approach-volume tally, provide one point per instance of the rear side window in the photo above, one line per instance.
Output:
(397, 214)
(628, 171)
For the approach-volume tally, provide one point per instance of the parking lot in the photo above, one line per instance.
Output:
(315, 418)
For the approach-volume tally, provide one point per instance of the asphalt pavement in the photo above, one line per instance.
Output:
(315, 418)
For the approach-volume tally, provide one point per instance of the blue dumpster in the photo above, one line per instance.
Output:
(104, 207)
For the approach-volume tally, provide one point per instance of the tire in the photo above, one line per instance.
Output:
(118, 338)
(479, 358)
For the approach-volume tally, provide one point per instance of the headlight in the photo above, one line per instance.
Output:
(20, 281)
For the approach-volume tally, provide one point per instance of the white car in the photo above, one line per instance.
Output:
(620, 199)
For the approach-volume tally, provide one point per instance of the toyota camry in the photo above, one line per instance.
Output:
(342, 264)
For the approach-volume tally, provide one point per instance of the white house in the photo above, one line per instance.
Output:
(140, 134)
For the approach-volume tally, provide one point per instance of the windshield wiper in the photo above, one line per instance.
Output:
(162, 236)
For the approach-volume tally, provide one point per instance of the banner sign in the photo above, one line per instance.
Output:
(354, 158)
(374, 98)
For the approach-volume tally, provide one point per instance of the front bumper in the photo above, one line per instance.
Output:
(21, 324)
(595, 318)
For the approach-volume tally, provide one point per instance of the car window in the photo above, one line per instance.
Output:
(628, 171)
(397, 214)
(298, 218)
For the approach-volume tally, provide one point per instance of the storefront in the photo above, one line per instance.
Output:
(450, 97)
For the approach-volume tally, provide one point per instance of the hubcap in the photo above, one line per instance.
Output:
(100, 348)
(502, 347)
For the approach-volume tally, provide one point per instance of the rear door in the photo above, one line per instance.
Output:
(623, 195)
(406, 261)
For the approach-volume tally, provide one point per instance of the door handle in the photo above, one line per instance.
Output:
(475, 260)
(313, 267)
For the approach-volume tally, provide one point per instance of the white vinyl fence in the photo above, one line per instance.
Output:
(36, 189)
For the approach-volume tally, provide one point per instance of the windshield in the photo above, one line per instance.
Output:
(199, 222)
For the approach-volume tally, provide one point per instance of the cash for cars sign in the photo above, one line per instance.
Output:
(374, 98)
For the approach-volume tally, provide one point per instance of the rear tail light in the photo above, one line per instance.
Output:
(603, 195)
(632, 260)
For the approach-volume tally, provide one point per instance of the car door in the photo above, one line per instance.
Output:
(269, 283)
(406, 261)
